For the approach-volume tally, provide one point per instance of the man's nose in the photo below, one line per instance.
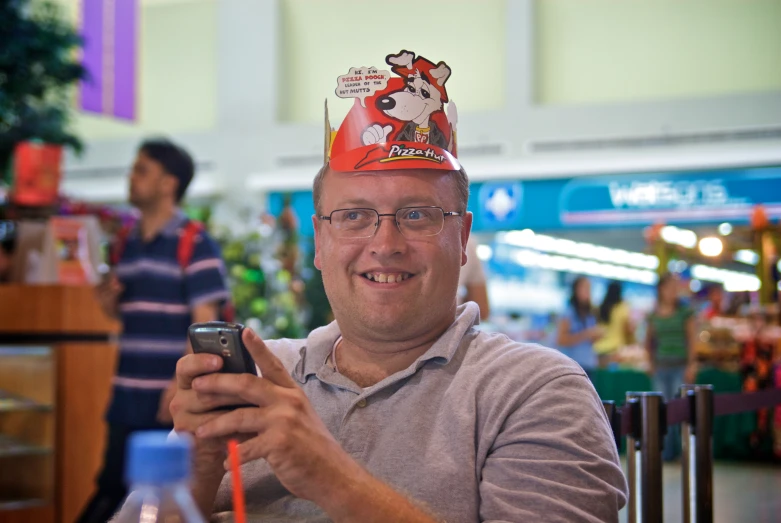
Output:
(387, 238)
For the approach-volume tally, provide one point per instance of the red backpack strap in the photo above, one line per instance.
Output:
(184, 254)
(118, 247)
(187, 238)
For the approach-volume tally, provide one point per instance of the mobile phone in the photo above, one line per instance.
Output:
(223, 339)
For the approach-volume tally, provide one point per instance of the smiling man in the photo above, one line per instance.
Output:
(400, 410)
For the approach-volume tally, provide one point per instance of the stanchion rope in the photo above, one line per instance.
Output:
(723, 404)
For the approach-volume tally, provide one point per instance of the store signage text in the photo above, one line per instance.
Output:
(654, 194)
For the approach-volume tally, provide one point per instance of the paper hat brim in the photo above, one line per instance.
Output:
(394, 155)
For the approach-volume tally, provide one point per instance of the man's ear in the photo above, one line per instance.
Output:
(316, 226)
(170, 185)
(466, 229)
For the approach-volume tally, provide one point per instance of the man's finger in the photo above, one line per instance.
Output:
(239, 421)
(249, 388)
(270, 366)
(210, 402)
(251, 449)
(191, 366)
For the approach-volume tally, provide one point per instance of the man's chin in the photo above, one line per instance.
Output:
(387, 323)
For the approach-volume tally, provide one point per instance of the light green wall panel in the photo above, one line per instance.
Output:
(599, 51)
(321, 40)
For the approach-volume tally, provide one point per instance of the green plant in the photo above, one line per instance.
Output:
(38, 65)
(263, 277)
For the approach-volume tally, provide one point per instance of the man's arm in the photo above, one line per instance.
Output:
(107, 292)
(566, 339)
(368, 500)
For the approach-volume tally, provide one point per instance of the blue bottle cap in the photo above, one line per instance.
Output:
(153, 457)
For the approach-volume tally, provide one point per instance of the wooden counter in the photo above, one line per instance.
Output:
(71, 387)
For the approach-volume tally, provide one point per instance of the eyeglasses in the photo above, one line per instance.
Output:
(412, 222)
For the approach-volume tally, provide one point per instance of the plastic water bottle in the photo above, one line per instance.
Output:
(158, 472)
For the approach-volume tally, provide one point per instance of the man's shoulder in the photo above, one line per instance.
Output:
(496, 356)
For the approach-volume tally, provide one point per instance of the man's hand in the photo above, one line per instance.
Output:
(107, 292)
(190, 410)
(594, 333)
(284, 430)
(164, 410)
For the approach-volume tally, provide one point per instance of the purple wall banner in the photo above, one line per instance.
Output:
(125, 61)
(110, 31)
(92, 55)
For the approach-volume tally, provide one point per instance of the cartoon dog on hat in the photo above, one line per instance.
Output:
(423, 94)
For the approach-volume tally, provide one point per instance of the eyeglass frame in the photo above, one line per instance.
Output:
(445, 214)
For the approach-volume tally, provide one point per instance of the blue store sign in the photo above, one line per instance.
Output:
(500, 203)
(629, 200)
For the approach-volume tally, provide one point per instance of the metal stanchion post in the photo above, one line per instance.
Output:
(697, 460)
(688, 476)
(703, 453)
(652, 427)
(614, 420)
(631, 457)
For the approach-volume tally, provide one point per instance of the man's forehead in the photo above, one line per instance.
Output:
(388, 184)
(425, 176)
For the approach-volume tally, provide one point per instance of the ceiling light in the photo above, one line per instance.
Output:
(676, 236)
(747, 256)
(711, 246)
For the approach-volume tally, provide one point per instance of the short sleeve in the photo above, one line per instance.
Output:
(554, 460)
(205, 275)
(622, 312)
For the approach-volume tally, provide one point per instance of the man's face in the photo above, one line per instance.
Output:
(426, 298)
(149, 183)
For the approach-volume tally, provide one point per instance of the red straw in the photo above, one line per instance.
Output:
(238, 490)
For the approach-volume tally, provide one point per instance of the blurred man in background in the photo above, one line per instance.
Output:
(472, 284)
(168, 274)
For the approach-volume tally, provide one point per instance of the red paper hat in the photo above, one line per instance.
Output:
(396, 122)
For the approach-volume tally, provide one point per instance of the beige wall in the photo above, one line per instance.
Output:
(615, 51)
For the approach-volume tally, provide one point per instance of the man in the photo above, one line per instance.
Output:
(400, 410)
(156, 295)
(472, 285)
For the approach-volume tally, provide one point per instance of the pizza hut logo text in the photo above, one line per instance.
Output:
(402, 152)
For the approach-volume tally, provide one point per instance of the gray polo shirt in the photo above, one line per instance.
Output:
(479, 428)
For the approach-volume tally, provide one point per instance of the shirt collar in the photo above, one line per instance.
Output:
(320, 343)
(171, 227)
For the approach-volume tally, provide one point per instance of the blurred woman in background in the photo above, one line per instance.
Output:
(578, 327)
(670, 346)
(614, 318)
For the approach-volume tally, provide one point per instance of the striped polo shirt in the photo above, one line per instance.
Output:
(155, 309)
